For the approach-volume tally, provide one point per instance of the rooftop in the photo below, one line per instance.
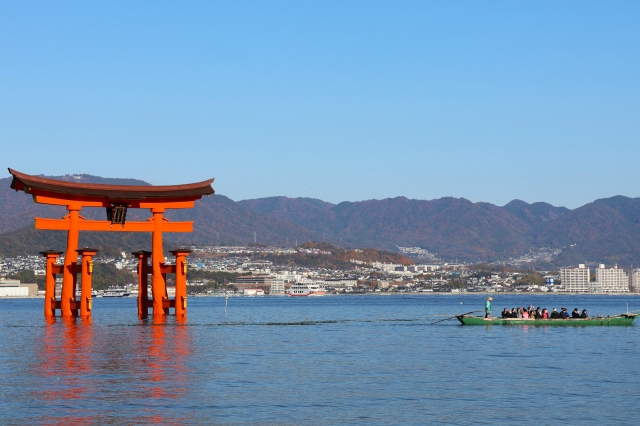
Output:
(28, 183)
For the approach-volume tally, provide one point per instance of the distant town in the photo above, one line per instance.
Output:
(251, 270)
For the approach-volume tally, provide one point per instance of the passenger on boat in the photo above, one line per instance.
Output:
(519, 313)
(537, 313)
(584, 314)
(514, 314)
(525, 314)
(487, 307)
(545, 314)
(564, 314)
(575, 313)
(506, 313)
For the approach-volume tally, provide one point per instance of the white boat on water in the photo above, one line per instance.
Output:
(115, 292)
(305, 289)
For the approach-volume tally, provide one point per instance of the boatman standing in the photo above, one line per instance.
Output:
(487, 307)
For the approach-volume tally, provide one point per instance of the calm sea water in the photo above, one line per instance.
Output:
(331, 360)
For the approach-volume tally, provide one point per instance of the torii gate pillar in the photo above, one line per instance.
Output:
(50, 281)
(69, 276)
(86, 301)
(158, 280)
(143, 282)
(181, 280)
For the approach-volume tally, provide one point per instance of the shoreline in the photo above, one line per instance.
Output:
(435, 293)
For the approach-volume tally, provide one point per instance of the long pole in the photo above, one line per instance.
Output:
(456, 316)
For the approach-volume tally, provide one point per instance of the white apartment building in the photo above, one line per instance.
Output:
(575, 279)
(277, 287)
(634, 281)
(612, 280)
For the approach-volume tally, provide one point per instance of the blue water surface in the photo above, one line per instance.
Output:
(324, 360)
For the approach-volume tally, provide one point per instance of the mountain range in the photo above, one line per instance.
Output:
(605, 230)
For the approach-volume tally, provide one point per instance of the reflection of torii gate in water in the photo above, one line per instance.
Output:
(116, 199)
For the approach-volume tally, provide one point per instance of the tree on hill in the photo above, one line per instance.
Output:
(364, 255)
(530, 279)
(106, 275)
(213, 280)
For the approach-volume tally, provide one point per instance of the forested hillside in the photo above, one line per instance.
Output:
(605, 230)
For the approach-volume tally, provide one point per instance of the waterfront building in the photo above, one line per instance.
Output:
(634, 281)
(340, 283)
(277, 287)
(611, 280)
(13, 288)
(253, 281)
(575, 279)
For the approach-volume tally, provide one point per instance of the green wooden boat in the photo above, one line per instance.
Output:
(623, 319)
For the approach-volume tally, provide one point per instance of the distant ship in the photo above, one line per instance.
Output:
(305, 289)
(115, 292)
(94, 293)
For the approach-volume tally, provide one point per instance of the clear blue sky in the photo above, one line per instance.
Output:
(341, 101)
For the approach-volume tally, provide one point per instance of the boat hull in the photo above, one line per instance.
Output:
(314, 294)
(625, 319)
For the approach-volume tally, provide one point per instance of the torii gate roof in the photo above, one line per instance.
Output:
(27, 183)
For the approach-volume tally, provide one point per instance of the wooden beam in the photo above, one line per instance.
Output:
(167, 269)
(169, 303)
(45, 197)
(105, 226)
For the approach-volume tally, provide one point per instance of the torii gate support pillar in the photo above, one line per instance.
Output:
(158, 283)
(86, 302)
(143, 282)
(181, 280)
(68, 304)
(52, 268)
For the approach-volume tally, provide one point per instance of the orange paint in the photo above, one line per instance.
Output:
(158, 286)
(87, 272)
(105, 226)
(50, 282)
(143, 297)
(181, 280)
(44, 197)
(70, 260)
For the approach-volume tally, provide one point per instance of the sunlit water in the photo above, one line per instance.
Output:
(331, 360)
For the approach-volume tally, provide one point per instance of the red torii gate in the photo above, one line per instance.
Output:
(116, 199)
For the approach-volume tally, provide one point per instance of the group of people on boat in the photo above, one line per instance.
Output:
(536, 313)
